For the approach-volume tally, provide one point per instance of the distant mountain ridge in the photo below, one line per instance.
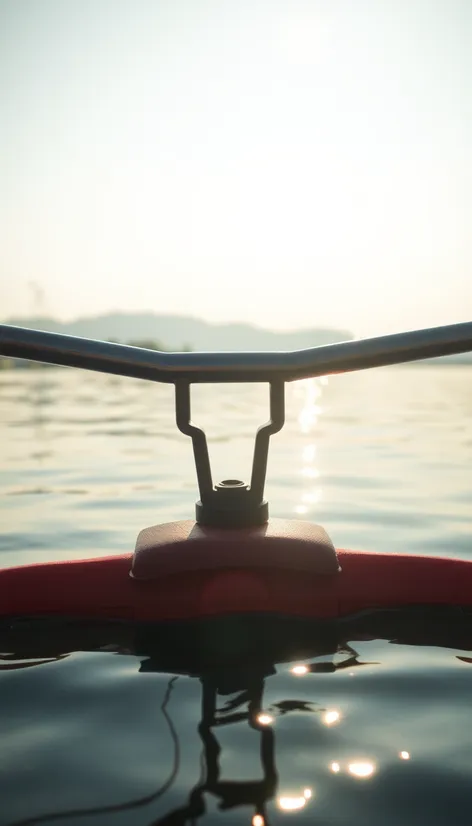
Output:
(177, 331)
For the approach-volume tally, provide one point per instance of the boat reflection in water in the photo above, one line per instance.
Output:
(248, 686)
(230, 794)
(241, 683)
(232, 659)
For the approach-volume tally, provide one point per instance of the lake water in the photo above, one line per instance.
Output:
(382, 459)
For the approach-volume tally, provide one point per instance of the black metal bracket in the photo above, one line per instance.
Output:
(231, 503)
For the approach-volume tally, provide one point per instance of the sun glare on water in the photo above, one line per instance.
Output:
(300, 670)
(309, 391)
(331, 717)
(294, 803)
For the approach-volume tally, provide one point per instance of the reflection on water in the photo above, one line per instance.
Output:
(331, 717)
(361, 769)
(265, 719)
(309, 392)
(292, 804)
(107, 731)
(300, 670)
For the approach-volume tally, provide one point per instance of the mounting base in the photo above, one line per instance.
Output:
(283, 544)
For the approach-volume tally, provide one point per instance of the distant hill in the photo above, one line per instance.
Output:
(176, 332)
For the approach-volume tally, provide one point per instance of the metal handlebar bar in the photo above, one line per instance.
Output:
(135, 362)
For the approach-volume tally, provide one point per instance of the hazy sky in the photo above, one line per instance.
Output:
(305, 162)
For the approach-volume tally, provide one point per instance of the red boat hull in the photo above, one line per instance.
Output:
(270, 570)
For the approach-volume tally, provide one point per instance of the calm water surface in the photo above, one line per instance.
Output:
(381, 459)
